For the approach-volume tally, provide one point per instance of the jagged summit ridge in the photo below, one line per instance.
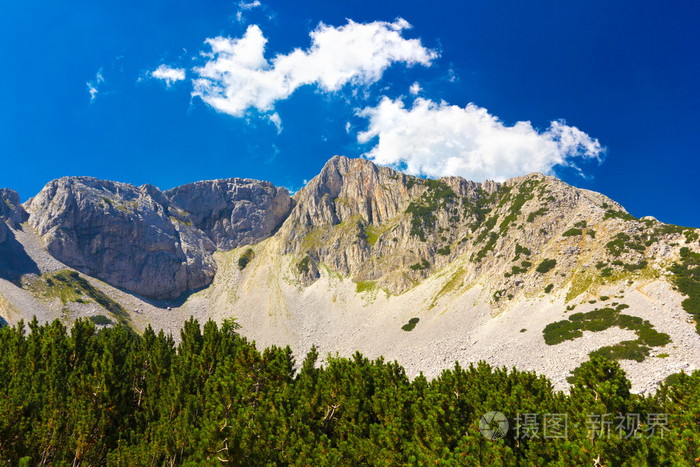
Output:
(376, 224)
(139, 238)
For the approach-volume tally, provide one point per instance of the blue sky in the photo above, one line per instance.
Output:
(610, 91)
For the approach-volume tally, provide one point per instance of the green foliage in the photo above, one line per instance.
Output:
(601, 319)
(612, 214)
(691, 235)
(534, 214)
(437, 196)
(70, 286)
(580, 224)
(371, 235)
(525, 193)
(549, 288)
(521, 250)
(424, 264)
(546, 265)
(572, 232)
(623, 242)
(111, 397)
(444, 250)
(410, 325)
(245, 258)
(303, 265)
(686, 276)
(366, 286)
(490, 244)
(524, 266)
(100, 320)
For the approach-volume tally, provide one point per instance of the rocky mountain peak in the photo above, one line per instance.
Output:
(153, 243)
(375, 224)
(122, 234)
(11, 211)
(233, 212)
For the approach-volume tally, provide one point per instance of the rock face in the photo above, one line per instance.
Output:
(11, 211)
(375, 224)
(130, 237)
(233, 212)
(12, 214)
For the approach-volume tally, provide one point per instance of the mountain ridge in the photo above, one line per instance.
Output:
(355, 255)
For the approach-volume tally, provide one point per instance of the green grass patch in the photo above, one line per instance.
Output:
(245, 258)
(366, 286)
(68, 286)
(303, 265)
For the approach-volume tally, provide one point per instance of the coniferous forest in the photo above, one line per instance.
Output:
(88, 396)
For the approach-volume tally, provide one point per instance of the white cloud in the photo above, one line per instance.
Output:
(94, 85)
(168, 74)
(245, 6)
(249, 5)
(415, 88)
(277, 121)
(238, 77)
(437, 139)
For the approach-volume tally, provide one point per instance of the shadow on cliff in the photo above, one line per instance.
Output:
(14, 261)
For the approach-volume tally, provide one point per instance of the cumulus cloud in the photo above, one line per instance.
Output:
(168, 74)
(237, 76)
(437, 139)
(415, 88)
(94, 85)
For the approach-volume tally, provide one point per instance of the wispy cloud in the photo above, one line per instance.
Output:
(93, 86)
(168, 74)
(244, 6)
(237, 76)
(438, 139)
(277, 121)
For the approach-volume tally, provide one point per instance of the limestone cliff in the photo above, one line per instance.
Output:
(374, 224)
(233, 212)
(130, 237)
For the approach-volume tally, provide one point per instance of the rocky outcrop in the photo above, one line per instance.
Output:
(12, 214)
(233, 212)
(372, 223)
(130, 237)
(11, 211)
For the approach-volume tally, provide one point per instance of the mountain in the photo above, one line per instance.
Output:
(367, 258)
